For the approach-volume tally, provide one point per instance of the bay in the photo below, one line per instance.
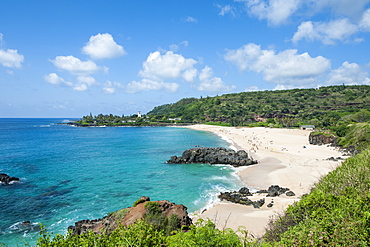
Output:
(69, 174)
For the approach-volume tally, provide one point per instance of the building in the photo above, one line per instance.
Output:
(307, 127)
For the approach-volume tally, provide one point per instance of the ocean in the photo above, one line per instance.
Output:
(70, 174)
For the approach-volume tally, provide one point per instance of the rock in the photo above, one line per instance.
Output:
(262, 191)
(25, 226)
(335, 159)
(322, 139)
(290, 193)
(6, 179)
(259, 203)
(213, 156)
(241, 196)
(245, 191)
(128, 216)
(276, 190)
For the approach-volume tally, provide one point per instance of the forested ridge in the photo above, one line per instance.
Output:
(321, 107)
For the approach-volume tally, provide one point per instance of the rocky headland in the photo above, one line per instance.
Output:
(128, 216)
(213, 156)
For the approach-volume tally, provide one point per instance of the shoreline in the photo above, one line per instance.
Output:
(285, 158)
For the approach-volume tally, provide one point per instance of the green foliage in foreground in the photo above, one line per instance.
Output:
(356, 135)
(203, 233)
(335, 213)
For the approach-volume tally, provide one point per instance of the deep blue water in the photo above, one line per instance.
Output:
(69, 174)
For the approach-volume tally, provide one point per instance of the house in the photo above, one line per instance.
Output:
(307, 127)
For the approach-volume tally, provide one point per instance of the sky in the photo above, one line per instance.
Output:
(70, 58)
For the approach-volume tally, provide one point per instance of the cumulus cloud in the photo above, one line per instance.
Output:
(251, 89)
(88, 80)
(210, 83)
(349, 74)
(151, 85)
(340, 7)
(110, 87)
(80, 87)
(54, 79)
(227, 9)
(341, 30)
(276, 12)
(75, 65)
(286, 67)
(365, 21)
(103, 46)
(83, 82)
(10, 58)
(191, 19)
(168, 66)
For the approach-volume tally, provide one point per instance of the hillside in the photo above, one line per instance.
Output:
(321, 107)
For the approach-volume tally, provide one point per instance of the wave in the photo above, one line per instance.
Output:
(24, 226)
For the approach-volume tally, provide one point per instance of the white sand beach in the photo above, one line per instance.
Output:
(285, 158)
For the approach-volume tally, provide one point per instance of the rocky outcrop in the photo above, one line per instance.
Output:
(241, 196)
(128, 216)
(322, 139)
(6, 179)
(213, 156)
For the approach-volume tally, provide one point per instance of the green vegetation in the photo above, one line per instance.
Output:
(322, 107)
(203, 233)
(335, 213)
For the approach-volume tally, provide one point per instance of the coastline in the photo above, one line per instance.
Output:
(285, 158)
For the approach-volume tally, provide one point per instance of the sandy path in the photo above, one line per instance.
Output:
(285, 158)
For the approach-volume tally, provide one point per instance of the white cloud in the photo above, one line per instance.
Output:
(75, 65)
(191, 19)
(168, 66)
(348, 8)
(341, 29)
(276, 12)
(80, 87)
(103, 46)
(227, 9)
(349, 74)
(111, 87)
(11, 58)
(286, 67)
(283, 87)
(210, 83)
(88, 80)
(174, 47)
(251, 89)
(83, 82)
(365, 21)
(54, 79)
(150, 85)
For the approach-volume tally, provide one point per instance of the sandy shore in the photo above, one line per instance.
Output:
(285, 158)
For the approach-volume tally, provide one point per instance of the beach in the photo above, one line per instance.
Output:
(285, 158)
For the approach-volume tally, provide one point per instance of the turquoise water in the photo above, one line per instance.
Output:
(69, 174)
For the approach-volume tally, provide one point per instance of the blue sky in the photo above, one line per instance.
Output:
(69, 58)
